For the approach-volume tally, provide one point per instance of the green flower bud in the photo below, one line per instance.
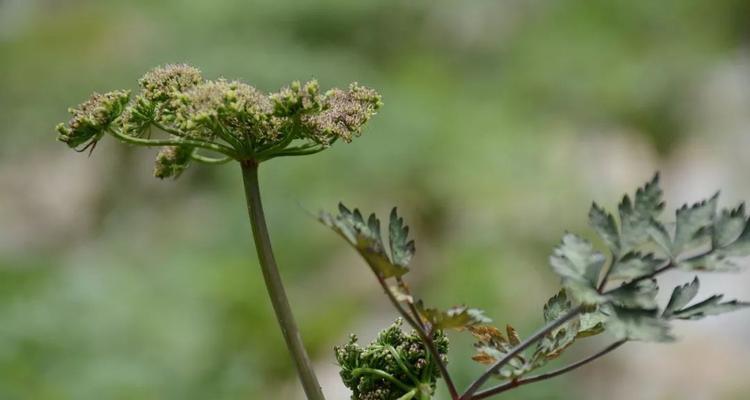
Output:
(396, 353)
(92, 117)
(172, 161)
(297, 99)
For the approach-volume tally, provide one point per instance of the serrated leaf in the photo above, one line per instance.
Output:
(583, 292)
(637, 324)
(715, 261)
(729, 226)
(636, 216)
(681, 296)
(591, 323)
(402, 249)
(658, 233)
(557, 306)
(708, 307)
(604, 224)
(575, 260)
(459, 318)
(365, 238)
(693, 223)
(640, 294)
(633, 265)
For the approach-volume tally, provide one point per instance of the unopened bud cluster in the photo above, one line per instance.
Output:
(396, 353)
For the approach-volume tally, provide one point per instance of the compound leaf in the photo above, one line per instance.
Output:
(365, 238)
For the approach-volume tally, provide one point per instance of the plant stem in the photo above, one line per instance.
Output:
(274, 285)
(468, 394)
(425, 336)
(519, 382)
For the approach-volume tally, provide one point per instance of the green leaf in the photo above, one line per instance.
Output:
(365, 238)
(693, 223)
(636, 216)
(557, 306)
(578, 264)
(591, 323)
(638, 324)
(604, 224)
(710, 306)
(633, 265)
(729, 226)
(732, 233)
(715, 261)
(402, 249)
(459, 318)
(681, 296)
(640, 294)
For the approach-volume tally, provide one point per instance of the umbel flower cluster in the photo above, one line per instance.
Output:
(395, 366)
(231, 118)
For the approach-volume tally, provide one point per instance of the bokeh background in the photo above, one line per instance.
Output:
(503, 120)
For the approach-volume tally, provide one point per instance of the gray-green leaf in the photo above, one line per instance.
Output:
(693, 223)
(636, 216)
(604, 224)
(681, 296)
(577, 260)
(637, 324)
(365, 238)
(402, 249)
(633, 265)
(710, 306)
(640, 294)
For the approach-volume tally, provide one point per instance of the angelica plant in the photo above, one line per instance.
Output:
(196, 120)
(613, 293)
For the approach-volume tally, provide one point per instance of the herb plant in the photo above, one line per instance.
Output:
(195, 120)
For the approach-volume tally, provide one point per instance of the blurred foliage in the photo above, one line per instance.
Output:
(115, 286)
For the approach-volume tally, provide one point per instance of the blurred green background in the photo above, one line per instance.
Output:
(502, 121)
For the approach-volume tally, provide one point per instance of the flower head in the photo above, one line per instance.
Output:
(162, 83)
(232, 105)
(344, 114)
(92, 117)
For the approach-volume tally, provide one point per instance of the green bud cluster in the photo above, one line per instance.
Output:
(171, 161)
(392, 366)
(92, 117)
(229, 117)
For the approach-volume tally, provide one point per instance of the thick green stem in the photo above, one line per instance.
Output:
(274, 285)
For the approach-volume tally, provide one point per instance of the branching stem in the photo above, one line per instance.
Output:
(520, 382)
(219, 148)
